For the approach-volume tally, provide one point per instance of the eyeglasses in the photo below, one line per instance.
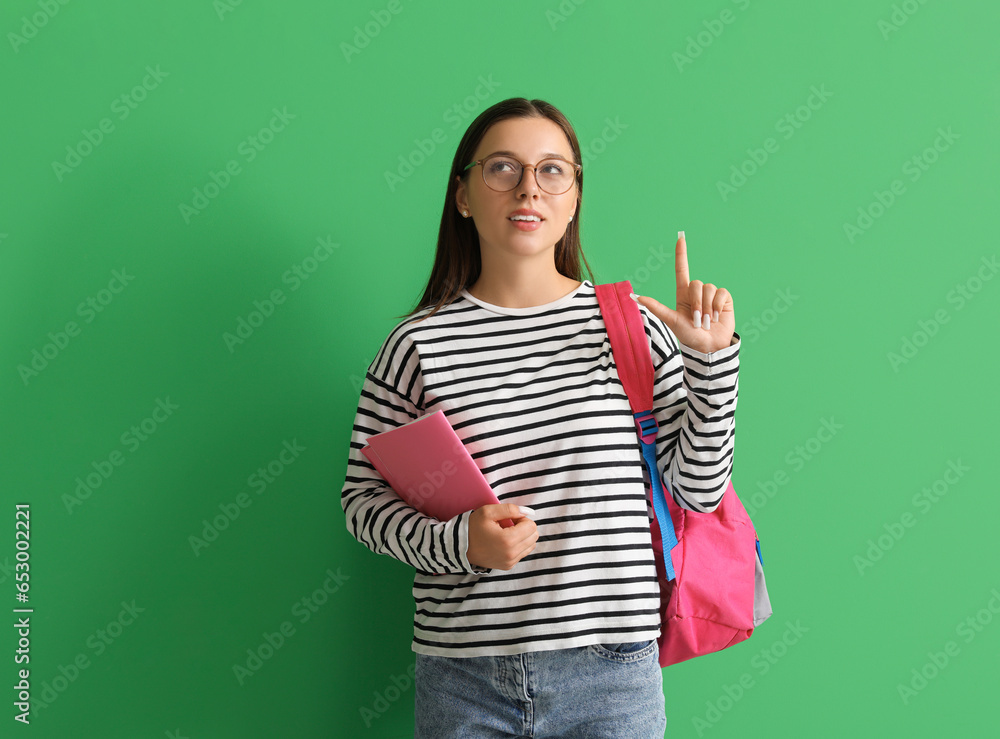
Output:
(503, 173)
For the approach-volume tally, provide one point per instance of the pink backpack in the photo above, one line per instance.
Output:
(712, 588)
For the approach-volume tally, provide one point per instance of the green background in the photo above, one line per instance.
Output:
(661, 133)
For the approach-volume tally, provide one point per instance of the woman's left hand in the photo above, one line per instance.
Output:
(704, 319)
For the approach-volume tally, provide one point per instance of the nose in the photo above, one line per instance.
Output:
(528, 184)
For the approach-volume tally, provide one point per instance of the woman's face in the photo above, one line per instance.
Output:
(530, 140)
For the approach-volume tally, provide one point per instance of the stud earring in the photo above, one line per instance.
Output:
(571, 218)
(465, 213)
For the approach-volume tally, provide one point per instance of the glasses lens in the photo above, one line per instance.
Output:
(555, 176)
(502, 173)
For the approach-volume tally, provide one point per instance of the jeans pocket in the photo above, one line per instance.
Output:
(625, 651)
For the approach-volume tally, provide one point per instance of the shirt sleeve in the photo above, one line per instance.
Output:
(392, 395)
(694, 402)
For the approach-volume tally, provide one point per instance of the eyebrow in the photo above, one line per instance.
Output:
(545, 155)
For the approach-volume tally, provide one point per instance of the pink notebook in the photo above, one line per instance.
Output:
(429, 467)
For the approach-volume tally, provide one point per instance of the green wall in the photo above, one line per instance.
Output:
(174, 172)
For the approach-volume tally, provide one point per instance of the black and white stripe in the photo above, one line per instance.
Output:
(535, 397)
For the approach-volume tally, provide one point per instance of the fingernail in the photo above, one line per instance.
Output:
(715, 316)
(680, 234)
(634, 297)
(526, 511)
(697, 319)
(708, 322)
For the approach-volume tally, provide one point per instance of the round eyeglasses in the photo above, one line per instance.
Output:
(503, 173)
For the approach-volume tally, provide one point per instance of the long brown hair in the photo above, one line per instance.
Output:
(457, 263)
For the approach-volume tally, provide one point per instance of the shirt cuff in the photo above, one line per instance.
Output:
(463, 546)
(716, 356)
(712, 369)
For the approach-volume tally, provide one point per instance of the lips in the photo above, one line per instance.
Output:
(526, 214)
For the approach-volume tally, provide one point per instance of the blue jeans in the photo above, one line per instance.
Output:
(601, 690)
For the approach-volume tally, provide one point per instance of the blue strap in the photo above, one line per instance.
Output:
(647, 437)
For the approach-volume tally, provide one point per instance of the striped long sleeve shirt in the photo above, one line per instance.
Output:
(534, 395)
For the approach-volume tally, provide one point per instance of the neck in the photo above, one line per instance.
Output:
(521, 285)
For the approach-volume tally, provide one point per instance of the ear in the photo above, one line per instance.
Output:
(461, 201)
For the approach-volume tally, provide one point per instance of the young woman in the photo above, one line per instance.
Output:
(547, 627)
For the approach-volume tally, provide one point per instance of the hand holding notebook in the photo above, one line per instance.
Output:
(428, 466)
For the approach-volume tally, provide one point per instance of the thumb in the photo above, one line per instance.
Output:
(493, 512)
(668, 315)
(509, 510)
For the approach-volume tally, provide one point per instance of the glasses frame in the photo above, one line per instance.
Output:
(533, 167)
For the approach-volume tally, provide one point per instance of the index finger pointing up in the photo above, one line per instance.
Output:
(681, 262)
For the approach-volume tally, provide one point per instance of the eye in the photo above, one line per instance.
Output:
(502, 166)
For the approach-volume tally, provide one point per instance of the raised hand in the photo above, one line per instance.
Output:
(704, 319)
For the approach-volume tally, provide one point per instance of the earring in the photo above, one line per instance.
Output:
(571, 217)
(465, 213)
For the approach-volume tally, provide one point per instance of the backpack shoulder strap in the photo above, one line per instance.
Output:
(630, 349)
(629, 344)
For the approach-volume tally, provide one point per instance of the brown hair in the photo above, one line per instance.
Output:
(457, 263)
